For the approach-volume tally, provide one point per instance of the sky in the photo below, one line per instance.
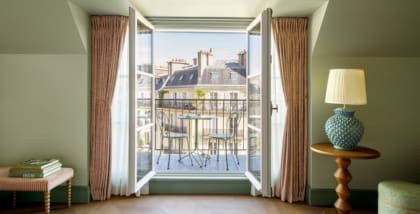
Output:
(185, 45)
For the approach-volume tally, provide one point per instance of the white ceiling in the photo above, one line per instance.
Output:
(202, 8)
(104, 7)
(225, 8)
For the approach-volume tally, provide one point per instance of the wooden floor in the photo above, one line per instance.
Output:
(182, 204)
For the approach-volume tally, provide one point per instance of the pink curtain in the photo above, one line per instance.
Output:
(291, 41)
(108, 33)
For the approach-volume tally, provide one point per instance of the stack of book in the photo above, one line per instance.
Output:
(35, 168)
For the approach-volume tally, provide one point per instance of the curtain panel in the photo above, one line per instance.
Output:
(120, 128)
(291, 41)
(108, 33)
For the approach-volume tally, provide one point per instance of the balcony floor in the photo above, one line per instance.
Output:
(212, 164)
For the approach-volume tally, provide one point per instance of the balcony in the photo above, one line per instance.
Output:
(195, 126)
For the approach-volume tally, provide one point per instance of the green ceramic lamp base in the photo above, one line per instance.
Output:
(343, 129)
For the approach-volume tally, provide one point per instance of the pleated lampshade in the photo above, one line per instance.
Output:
(346, 86)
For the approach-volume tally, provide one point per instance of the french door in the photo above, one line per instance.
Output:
(142, 101)
(259, 103)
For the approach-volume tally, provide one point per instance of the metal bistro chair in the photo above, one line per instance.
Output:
(232, 123)
(166, 132)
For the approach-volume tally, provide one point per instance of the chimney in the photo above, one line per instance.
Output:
(209, 57)
(242, 58)
(175, 65)
(204, 59)
(201, 58)
(161, 70)
(194, 61)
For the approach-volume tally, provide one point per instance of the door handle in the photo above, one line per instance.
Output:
(274, 108)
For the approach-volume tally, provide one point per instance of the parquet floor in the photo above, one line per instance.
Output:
(182, 204)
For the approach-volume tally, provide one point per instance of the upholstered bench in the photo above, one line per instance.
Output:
(398, 197)
(44, 185)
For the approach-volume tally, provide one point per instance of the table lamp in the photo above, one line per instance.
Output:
(347, 87)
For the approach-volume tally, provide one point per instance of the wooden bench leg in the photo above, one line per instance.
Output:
(69, 193)
(47, 202)
(14, 199)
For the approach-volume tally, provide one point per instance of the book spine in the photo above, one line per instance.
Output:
(34, 167)
(25, 170)
(33, 174)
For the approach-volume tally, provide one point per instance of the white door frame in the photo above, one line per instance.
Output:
(134, 185)
(264, 184)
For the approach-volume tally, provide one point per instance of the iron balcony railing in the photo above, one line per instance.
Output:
(217, 113)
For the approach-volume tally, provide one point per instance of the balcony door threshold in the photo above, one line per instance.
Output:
(200, 183)
(199, 176)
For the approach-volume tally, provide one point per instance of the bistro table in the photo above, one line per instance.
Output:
(196, 117)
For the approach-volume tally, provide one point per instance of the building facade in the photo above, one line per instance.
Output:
(205, 84)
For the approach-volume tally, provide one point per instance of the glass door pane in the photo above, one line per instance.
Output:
(141, 101)
(254, 125)
(144, 108)
(258, 87)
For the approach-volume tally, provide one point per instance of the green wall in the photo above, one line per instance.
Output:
(44, 110)
(44, 89)
(391, 120)
(387, 48)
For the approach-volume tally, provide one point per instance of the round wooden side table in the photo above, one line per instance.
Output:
(342, 174)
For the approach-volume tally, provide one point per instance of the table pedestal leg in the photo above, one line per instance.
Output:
(69, 193)
(47, 202)
(343, 177)
(14, 199)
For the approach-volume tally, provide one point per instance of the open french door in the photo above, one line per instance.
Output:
(142, 101)
(259, 103)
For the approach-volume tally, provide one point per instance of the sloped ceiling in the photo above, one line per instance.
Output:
(38, 27)
(366, 28)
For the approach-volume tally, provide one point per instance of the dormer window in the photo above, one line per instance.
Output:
(233, 75)
(191, 76)
(213, 75)
(181, 77)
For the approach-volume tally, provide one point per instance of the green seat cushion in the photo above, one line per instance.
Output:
(398, 197)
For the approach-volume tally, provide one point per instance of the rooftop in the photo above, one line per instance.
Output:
(221, 72)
